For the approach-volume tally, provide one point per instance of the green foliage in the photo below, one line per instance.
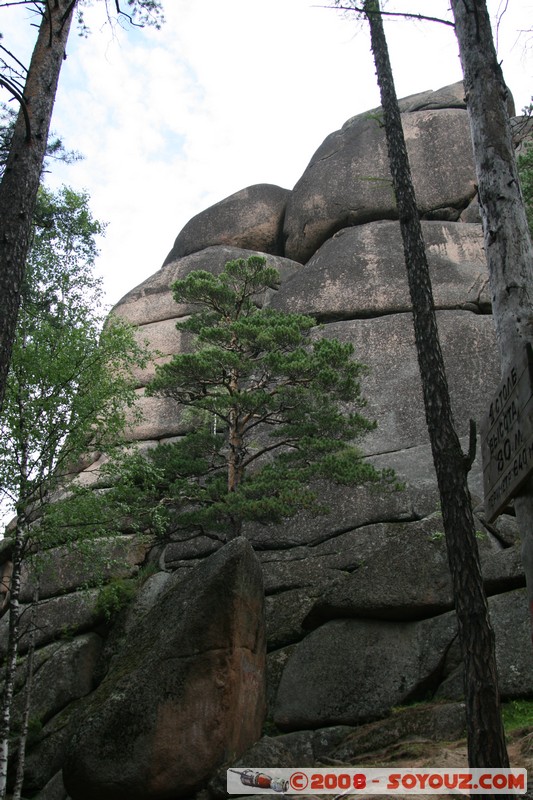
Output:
(119, 592)
(55, 149)
(70, 382)
(146, 572)
(275, 407)
(517, 714)
(376, 116)
(278, 406)
(114, 597)
(270, 728)
(139, 13)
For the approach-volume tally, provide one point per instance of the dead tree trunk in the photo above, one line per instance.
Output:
(508, 246)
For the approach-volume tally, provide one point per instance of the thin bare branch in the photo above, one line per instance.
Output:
(499, 19)
(122, 13)
(7, 84)
(18, 3)
(275, 446)
(51, 27)
(69, 10)
(404, 14)
(10, 54)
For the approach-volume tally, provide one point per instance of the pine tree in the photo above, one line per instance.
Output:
(486, 739)
(274, 405)
(22, 157)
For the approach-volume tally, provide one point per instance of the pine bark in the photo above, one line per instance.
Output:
(20, 182)
(486, 739)
(508, 245)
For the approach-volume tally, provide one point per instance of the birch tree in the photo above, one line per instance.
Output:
(68, 388)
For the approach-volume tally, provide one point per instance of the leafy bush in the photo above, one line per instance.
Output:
(114, 597)
(517, 714)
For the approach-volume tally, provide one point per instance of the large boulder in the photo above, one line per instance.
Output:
(347, 181)
(54, 789)
(152, 300)
(349, 670)
(356, 602)
(66, 675)
(55, 618)
(352, 507)
(64, 569)
(434, 722)
(251, 218)
(360, 272)
(343, 673)
(160, 418)
(514, 655)
(421, 586)
(46, 758)
(184, 694)
(392, 386)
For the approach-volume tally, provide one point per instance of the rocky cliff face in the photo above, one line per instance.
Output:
(358, 604)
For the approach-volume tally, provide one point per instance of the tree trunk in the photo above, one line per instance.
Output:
(11, 658)
(508, 244)
(486, 740)
(23, 738)
(236, 451)
(20, 182)
(14, 632)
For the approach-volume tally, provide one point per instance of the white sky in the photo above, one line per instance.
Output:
(228, 94)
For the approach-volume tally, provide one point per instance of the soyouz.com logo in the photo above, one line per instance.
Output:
(353, 780)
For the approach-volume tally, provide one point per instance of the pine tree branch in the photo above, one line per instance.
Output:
(11, 87)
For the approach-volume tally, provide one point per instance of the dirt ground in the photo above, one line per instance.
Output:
(424, 753)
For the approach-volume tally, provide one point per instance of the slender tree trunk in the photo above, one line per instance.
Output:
(11, 658)
(14, 614)
(508, 244)
(486, 739)
(236, 453)
(235, 469)
(20, 182)
(23, 738)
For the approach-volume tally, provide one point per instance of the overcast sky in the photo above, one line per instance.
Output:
(228, 94)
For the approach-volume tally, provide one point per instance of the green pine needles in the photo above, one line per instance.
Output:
(273, 406)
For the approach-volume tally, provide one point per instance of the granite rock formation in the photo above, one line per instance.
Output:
(358, 604)
(185, 691)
